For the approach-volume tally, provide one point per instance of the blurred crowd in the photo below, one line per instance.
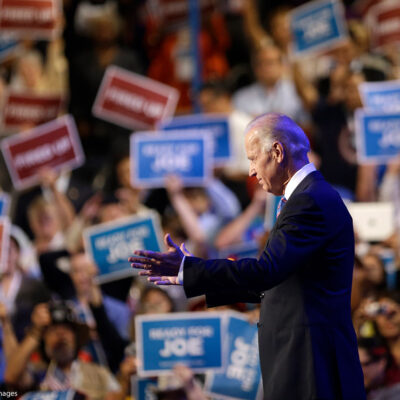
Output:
(60, 329)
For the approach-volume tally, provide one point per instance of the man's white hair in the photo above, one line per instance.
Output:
(275, 127)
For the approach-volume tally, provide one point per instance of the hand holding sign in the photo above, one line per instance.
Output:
(47, 177)
(162, 268)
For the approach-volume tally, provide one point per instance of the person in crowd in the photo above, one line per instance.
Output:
(277, 27)
(56, 332)
(374, 271)
(153, 300)
(8, 342)
(111, 209)
(271, 92)
(388, 324)
(78, 286)
(45, 225)
(100, 139)
(50, 214)
(33, 74)
(130, 196)
(380, 315)
(278, 32)
(359, 288)
(334, 138)
(375, 360)
(202, 211)
(171, 59)
(215, 97)
(248, 226)
(19, 291)
(389, 189)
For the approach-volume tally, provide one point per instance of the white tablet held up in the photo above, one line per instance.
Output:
(373, 222)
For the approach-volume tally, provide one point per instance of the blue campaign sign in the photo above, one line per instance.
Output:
(381, 96)
(4, 204)
(193, 339)
(156, 155)
(241, 250)
(377, 136)
(242, 377)
(7, 47)
(112, 243)
(218, 125)
(317, 26)
(53, 395)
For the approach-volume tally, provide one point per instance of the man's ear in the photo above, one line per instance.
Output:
(278, 151)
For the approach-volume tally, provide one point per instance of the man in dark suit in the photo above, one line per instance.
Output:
(308, 347)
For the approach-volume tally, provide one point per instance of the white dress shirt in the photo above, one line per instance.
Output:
(297, 178)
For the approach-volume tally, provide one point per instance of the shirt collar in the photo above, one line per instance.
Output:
(297, 178)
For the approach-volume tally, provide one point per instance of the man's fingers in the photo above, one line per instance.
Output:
(145, 273)
(140, 266)
(160, 280)
(151, 272)
(155, 279)
(144, 260)
(149, 254)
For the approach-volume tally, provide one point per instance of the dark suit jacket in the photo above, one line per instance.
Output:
(308, 348)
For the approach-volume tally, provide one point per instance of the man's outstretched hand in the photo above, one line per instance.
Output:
(161, 268)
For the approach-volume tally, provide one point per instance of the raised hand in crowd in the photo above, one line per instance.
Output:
(127, 369)
(9, 340)
(40, 320)
(91, 208)
(88, 213)
(187, 214)
(16, 369)
(191, 387)
(65, 210)
(233, 232)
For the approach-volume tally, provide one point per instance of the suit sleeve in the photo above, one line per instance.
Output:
(300, 235)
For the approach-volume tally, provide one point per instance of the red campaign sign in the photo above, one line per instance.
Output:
(4, 240)
(133, 101)
(20, 109)
(55, 144)
(173, 12)
(29, 18)
(383, 20)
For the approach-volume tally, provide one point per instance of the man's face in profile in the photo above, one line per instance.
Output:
(263, 165)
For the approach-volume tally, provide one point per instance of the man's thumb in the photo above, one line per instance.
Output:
(169, 242)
